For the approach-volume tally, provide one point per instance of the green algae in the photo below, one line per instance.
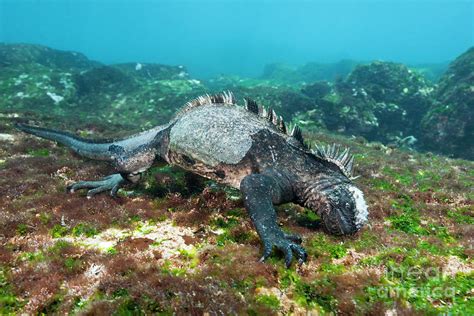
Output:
(462, 215)
(268, 300)
(33, 257)
(314, 295)
(84, 229)
(22, 229)
(39, 152)
(59, 231)
(321, 246)
(81, 229)
(59, 246)
(9, 302)
(366, 240)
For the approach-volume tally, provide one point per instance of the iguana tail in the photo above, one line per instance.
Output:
(94, 149)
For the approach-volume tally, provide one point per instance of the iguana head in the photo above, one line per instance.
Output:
(339, 203)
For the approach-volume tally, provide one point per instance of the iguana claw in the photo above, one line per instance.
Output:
(286, 243)
(112, 183)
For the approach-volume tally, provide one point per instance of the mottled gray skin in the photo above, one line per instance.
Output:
(236, 147)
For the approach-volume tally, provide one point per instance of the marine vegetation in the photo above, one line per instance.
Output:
(179, 243)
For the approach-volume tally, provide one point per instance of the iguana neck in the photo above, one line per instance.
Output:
(314, 194)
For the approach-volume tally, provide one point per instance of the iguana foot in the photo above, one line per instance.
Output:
(112, 183)
(260, 191)
(287, 243)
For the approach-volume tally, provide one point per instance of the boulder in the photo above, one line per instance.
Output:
(448, 126)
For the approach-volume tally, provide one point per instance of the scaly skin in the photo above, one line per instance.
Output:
(247, 148)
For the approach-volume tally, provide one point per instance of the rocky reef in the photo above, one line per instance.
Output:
(181, 244)
(380, 101)
(449, 124)
(43, 84)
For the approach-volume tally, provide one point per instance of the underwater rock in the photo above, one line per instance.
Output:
(449, 124)
(387, 81)
(149, 71)
(395, 84)
(381, 101)
(317, 90)
(17, 55)
(105, 79)
(40, 82)
(6, 137)
(309, 72)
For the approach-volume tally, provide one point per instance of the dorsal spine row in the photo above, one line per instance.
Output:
(341, 158)
(332, 153)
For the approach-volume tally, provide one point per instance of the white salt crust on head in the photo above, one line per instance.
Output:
(361, 212)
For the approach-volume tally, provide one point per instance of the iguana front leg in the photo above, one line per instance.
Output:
(260, 192)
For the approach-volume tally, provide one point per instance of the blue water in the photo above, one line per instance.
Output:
(240, 37)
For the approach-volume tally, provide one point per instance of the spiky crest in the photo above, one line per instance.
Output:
(251, 105)
(297, 134)
(225, 97)
(270, 115)
(282, 126)
(342, 159)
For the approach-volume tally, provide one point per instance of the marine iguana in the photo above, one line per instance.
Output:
(249, 148)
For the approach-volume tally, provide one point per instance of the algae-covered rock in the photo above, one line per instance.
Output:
(18, 55)
(43, 84)
(392, 83)
(387, 81)
(105, 79)
(381, 101)
(147, 71)
(317, 90)
(449, 124)
(350, 111)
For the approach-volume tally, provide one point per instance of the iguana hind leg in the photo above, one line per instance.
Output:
(130, 162)
(260, 192)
